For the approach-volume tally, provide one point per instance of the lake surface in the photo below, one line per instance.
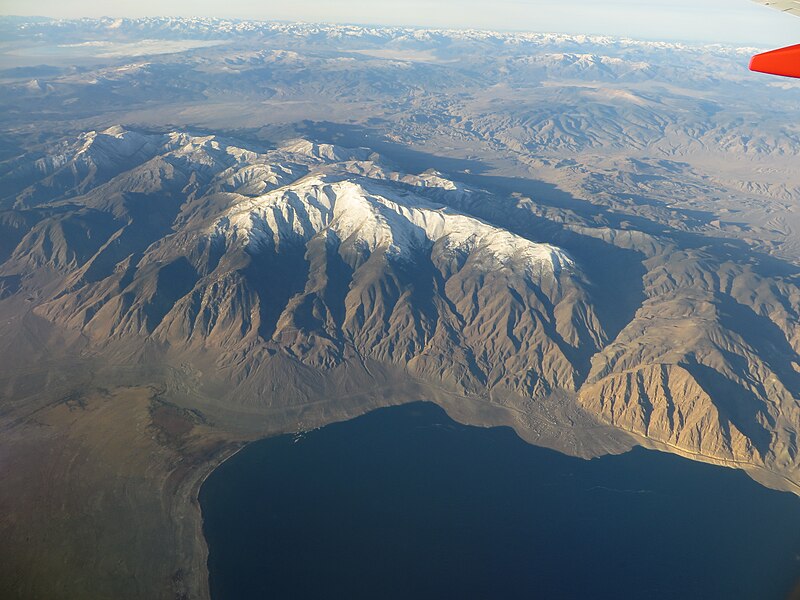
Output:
(406, 503)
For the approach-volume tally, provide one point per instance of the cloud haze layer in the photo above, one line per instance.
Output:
(739, 21)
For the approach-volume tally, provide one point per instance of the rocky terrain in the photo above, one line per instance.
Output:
(214, 231)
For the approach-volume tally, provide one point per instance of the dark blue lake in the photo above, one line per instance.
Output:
(406, 503)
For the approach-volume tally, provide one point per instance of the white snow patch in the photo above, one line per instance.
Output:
(376, 217)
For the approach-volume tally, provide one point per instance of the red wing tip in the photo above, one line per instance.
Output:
(784, 62)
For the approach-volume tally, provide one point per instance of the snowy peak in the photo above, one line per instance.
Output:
(298, 190)
(374, 216)
(112, 147)
(326, 152)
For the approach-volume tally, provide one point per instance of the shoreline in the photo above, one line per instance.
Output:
(461, 411)
(201, 538)
(128, 457)
(239, 475)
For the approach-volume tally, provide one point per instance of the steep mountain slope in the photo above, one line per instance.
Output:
(310, 252)
(276, 268)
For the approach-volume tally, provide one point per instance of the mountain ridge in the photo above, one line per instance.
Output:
(328, 256)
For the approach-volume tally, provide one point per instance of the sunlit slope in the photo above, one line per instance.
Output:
(288, 263)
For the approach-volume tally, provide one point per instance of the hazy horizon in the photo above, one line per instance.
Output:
(724, 21)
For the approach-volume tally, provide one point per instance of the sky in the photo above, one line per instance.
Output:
(736, 21)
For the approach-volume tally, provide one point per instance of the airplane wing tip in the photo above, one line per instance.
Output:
(784, 62)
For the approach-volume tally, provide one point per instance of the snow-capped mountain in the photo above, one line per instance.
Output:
(303, 245)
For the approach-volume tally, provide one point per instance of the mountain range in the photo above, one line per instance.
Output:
(213, 231)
